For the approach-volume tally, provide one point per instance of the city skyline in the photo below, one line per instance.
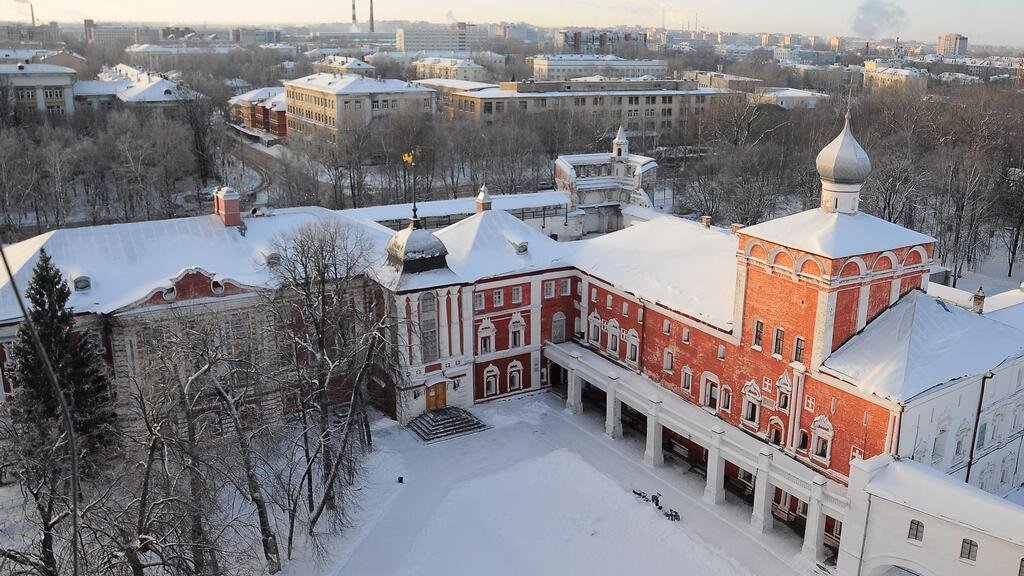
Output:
(910, 19)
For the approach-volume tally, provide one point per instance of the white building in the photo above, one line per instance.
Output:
(452, 68)
(336, 64)
(787, 97)
(566, 66)
(455, 36)
(40, 87)
(133, 87)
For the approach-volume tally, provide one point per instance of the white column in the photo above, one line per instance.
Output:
(69, 100)
(612, 414)
(714, 490)
(574, 398)
(814, 532)
(467, 321)
(653, 455)
(442, 329)
(40, 99)
(761, 518)
(862, 305)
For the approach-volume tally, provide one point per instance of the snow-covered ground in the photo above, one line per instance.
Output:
(542, 492)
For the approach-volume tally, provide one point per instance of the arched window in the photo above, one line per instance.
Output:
(428, 327)
(709, 390)
(726, 401)
(916, 531)
(751, 403)
(516, 332)
(940, 441)
(485, 337)
(969, 550)
(1018, 418)
(558, 327)
(613, 337)
(490, 381)
(594, 333)
(962, 438)
(775, 430)
(515, 376)
(821, 441)
(632, 347)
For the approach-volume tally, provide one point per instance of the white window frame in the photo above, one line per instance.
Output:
(515, 368)
(491, 374)
(478, 301)
(667, 360)
(566, 286)
(498, 297)
(549, 289)
(517, 295)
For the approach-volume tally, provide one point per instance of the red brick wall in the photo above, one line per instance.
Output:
(502, 364)
(856, 422)
(558, 303)
(193, 285)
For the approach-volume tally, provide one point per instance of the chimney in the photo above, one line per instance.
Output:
(371, 16)
(705, 221)
(736, 228)
(483, 200)
(225, 206)
(978, 301)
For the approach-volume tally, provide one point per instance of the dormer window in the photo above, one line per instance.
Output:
(170, 294)
(81, 283)
(217, 287)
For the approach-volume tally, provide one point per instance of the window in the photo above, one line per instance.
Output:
(798, 350)
(802, 445)
(777, 346)
(969, 550)
(821, 446)
(666, 326)
(632, 351)
(916, 531)
(490, 381)
(686, 335)
(566, 286)
(515, 376)
(593, 294)
(478, 301)
(687, 379)
(726, 400)
(809, 404)
(666, 363)
(549, 289)
(594, 334)
(515, 334)
(625, 308)
(428, 327)
(498, 298)
(710, 390)
(721, 351)
(783, 402)
(758, 333)
(558, 327)
(982, 434)
(608, 301)
(517, 294)
(485, 344)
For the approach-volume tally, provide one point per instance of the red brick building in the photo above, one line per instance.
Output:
(261, 110)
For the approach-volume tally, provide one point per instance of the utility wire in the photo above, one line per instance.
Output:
(65, 411)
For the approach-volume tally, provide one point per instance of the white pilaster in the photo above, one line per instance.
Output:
(824, 325)
(612, 414)
(414, 322)
(40, 99)
(574, 398)
(467, 321)
(654, 455)
(442, 330)
(864, 295)
(761, 518)
(714, 490)
(814, 532)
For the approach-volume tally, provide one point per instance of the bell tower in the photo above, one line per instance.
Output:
(620, 146)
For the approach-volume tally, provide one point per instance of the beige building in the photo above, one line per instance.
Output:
(704, 79)
(883, 75)
(455, 36)
(326, 103)
(953, 45)
(337, 64)
(568, 66)
(445, 87)
(666, 108)
(451, 68)
(39, 87)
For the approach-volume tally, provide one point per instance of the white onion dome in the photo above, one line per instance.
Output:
(843, 161)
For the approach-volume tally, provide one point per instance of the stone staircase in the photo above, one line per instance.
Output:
(437, 425)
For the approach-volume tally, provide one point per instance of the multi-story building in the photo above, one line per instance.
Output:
(670, 109)
(567, 66)
(492, 59)
(108, 34)
(336, 64)
(263, 111)
(793, 40)
(706, 79)
(885, 75)
(953, 45)
(42, 88)
(833, 78)
(595, 41)
(791, 361)
(835, 43)
(455, 36)
(446, 87)
(19, 33)
(167, 57)
(254, 36)
(450, 68)
(326, 103)
(124, 85)
(63, 58)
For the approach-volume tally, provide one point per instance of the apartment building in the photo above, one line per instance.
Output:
(706, 79)
(43, 88)
(337, 64)
(454, 36)
(451, 68)
(261, 112)
(595, 41)
(953, 45)
(884, 75)
(324, 103)
(567, 66)
(108, 34)
(164, 57)
(667, 108)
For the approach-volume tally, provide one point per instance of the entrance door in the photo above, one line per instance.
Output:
(436, 396)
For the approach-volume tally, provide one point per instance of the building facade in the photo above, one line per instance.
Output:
(458, 36)
(568, 66)
(952, 45)
(337, 64)
(450, 68)
(39, 88)
(263, 110)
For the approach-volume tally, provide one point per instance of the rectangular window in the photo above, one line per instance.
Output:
(478, 301)
(798, 350)
(631, 352)
(721, 351)
(517, 294)
(667, 361)
(969, 550)
(625, 308)
(777, 346)
(498, 298)
(686, 335)
(485, 344)
(593, 294)
(549, 289)
(809, 404)
(758, 333)
(608, 301)
(516, 339)
(566, 286)
(687, 380)
(666, 326)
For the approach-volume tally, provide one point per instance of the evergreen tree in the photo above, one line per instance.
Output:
(80, 372)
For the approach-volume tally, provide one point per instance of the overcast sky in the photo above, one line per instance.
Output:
(984, 21)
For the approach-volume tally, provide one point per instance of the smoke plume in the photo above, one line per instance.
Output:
(450, 16)
(877, 18)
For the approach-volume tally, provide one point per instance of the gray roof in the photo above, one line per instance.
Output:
(843, 161)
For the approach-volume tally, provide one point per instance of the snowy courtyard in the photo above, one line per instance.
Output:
(541, 492)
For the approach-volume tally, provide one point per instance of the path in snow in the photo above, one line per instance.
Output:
(543, 492)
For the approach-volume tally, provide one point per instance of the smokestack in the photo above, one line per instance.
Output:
(32, 9)
(371, 15)
(353, 12)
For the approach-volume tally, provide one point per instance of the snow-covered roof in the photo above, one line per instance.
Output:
(156, 49)
(922, 342)
(127, 262)
(354, 84)
(449, 62)
(135, 85)
(34, 68)
(454, 84)
(346, 62)
(100, 87)
(460, 206)
(24, 54)
(500, 93)
(921, 487)
(675, 262)
(272, 97)
(836, 235)
(493, 243)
